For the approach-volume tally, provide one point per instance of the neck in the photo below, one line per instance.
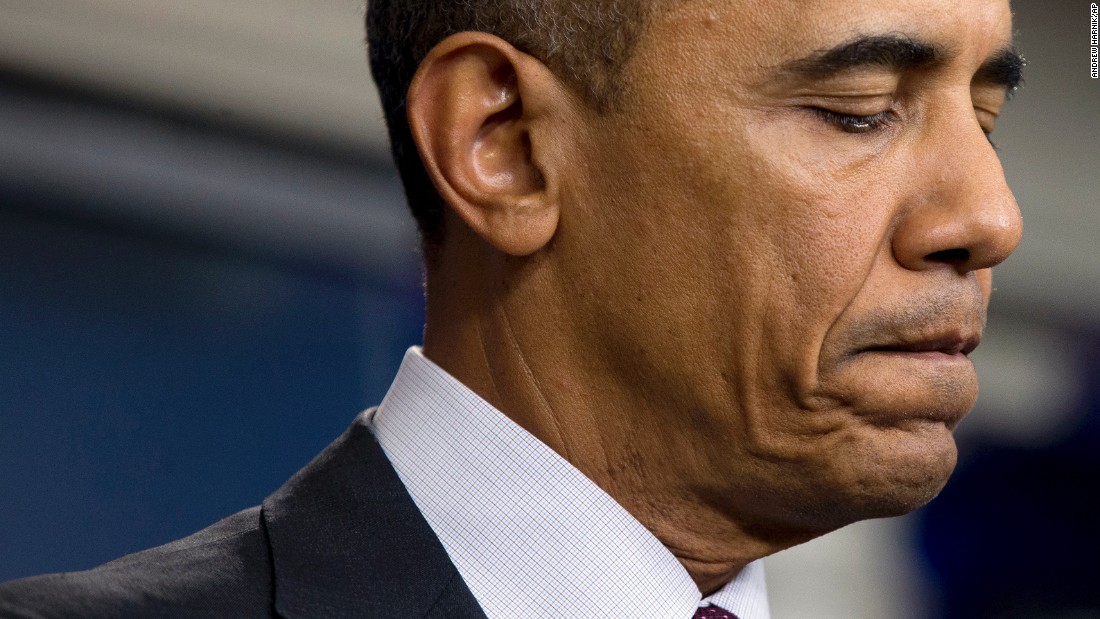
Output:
(531, 366)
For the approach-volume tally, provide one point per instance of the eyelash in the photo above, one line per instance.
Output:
(856, 124)
(852, 123)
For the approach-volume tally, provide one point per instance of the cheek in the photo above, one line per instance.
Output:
(827, 223)
(822, 228)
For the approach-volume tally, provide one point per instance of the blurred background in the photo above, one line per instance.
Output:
(206, 270)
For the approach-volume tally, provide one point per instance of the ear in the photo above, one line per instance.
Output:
(478, 109)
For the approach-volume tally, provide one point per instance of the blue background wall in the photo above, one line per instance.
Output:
(154, 379)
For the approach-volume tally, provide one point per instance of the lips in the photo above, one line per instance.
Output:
(948, 343)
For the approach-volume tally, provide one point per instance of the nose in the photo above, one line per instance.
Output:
(962, 214)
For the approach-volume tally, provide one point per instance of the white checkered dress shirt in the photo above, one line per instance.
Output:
(529, 533)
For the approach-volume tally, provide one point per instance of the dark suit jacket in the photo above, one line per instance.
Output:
(342, 538)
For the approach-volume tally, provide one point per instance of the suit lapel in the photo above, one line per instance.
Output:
(348, 541)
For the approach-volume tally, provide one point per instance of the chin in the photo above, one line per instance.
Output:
(875, 472)
(892, 471)
(895, 448)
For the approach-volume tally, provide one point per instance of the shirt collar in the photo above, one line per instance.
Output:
(528, 532)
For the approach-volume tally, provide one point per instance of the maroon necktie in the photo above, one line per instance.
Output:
(713, 612)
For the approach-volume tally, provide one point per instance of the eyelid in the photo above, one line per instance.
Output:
(857, 123)
(863, 104)
(984, 110)
(988, 133)
(991, 95)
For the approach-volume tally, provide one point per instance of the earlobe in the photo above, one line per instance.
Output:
(471, 114)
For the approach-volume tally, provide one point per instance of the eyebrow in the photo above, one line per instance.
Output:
(894, 52)
(1004, 68)
(900, 53)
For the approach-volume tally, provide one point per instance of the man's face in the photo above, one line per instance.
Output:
(790, 223)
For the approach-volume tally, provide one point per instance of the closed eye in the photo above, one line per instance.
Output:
(856, 123)
(853, 123)
(985, 120)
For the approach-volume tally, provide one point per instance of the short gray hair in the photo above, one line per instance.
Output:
(585, 43)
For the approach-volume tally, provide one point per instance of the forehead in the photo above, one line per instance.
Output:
(766, 33)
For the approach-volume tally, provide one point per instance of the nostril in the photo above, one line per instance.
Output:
(955, 257)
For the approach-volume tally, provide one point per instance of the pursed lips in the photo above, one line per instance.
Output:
(950, 343)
